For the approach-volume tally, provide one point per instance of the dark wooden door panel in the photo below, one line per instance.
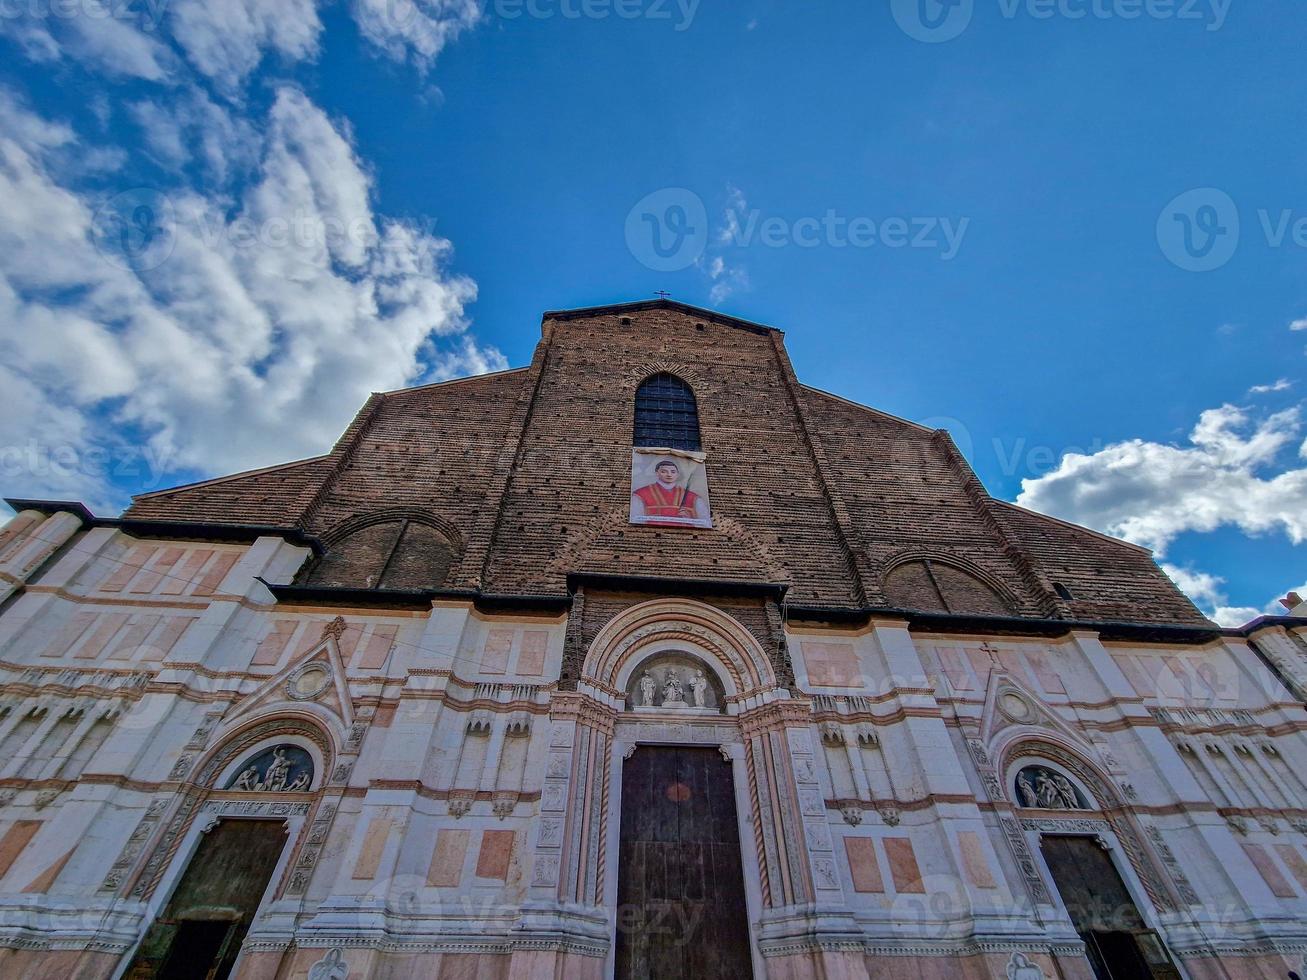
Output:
(199, 933)
(1103, 912)
(681, 908)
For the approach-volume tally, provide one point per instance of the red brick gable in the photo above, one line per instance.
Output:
(529, 469)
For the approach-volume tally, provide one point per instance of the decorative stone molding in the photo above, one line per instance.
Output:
(311, 849)
(460, 803)
(340, 775)
(332, 966)
(1066, 825)
(309, 682)
(1025, 860)
(181, 767)
(45, 798)
(200, 738)
(1022, 967)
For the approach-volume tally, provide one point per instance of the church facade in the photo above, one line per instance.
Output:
(643, 661)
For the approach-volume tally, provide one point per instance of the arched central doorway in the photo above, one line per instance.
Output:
(701, 733)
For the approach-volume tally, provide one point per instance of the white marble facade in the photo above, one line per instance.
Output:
(446, 802)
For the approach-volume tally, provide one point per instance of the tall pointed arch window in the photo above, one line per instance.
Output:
(666, 414)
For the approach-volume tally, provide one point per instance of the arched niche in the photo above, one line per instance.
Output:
(675, 681)
(239, 751)
(1043, 785)
(386, 552)
(935, 585)
(284, 767)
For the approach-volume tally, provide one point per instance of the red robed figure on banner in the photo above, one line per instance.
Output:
(666, 498)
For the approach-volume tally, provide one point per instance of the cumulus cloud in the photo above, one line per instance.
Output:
(155, 40)
(237, 309)
(414, 30)
(1151, 493)
(1299, 324)
(1208, 593)
(224, 331)
(226, 41)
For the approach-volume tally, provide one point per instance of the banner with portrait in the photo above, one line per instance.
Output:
(669, 488)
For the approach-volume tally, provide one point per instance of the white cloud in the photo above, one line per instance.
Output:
(1208, 593)
(1150, 493)
(1284, 384)
(98, 36)
(253, 335)
(1299, 324)
(226, 41)
(726, 278)
(416, 30)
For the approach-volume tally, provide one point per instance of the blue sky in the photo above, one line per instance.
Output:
(451, 169)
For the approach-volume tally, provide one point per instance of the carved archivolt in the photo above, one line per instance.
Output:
(733, 652)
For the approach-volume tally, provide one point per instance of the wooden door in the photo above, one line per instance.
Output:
(680, 884)
(1120, 946)
(199, 934)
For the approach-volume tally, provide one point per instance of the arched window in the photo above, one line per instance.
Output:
(666, 415)
(399, 554)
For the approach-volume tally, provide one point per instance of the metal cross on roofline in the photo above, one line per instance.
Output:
(662, 294)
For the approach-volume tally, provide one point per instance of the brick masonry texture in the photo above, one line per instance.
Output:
(527, 475)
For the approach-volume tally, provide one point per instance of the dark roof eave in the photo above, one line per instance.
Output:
(177, 530)
(52, 507)
(662, 304)
(1271, 622)
(413, 598)
(936, 622)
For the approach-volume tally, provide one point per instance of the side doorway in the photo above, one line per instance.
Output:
(1119, 944)
(199, 933)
